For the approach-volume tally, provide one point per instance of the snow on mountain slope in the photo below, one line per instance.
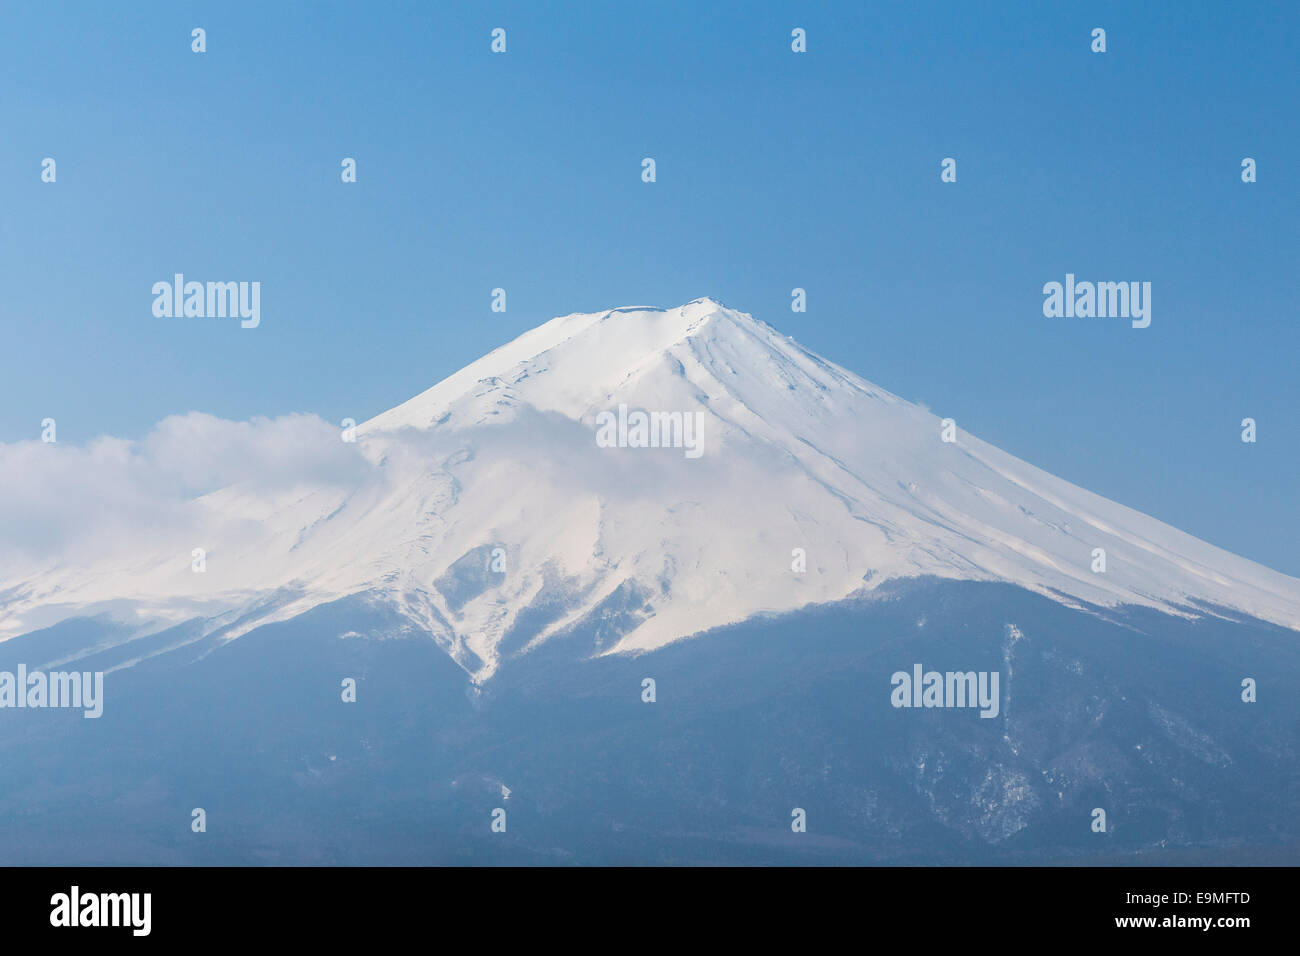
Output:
(490, 516)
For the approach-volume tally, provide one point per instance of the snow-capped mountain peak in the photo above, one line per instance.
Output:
(551, 484)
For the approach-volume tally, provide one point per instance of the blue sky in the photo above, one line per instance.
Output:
(775, 170)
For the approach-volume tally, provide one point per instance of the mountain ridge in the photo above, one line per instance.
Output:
(484, 510)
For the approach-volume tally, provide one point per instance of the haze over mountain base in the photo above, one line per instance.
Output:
(1136, 712)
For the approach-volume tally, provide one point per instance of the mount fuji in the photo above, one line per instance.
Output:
(799, 456)
(499, 585)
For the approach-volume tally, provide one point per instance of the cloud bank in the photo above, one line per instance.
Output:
(60, 501)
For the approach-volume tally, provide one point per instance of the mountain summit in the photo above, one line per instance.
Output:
(488, 514)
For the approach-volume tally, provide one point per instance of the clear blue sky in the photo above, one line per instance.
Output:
(775, 170)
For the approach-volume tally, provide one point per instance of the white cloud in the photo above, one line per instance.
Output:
(103, 496)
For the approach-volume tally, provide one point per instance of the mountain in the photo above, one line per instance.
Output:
(485, 512)
(503, 573)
